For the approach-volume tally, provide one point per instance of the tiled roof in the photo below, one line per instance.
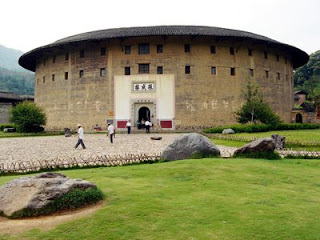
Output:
(28, 60)
(10, 96)
(162, 31)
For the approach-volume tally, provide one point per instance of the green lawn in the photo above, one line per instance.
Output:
(296, 139)
(17, 134)
(199, 199)
(311, 135)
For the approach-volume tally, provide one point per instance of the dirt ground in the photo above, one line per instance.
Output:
(45, 223)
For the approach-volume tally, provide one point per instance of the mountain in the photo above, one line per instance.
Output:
(9, 59)
(14, 78)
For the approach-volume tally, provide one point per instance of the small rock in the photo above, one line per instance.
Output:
(279, 141)
(228, 131)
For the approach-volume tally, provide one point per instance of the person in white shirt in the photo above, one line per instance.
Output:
(80, 137)
(111, 132)
(148, 124)
(128, 125)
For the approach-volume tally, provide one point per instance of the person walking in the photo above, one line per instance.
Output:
(111, 132)
(148, 124)
(128, 125)
(80, 137)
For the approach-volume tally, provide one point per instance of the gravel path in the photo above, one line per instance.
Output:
(51, 147)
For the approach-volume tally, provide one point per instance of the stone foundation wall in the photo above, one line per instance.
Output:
(5, 112)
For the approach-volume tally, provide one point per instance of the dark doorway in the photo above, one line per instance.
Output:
(298, 118)
(144, 115)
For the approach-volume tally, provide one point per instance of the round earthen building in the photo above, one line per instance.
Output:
(176, 76)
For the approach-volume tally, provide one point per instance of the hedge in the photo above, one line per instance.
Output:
(263, 127)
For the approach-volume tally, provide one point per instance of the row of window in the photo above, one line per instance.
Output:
(145, 69)
(81, 75)
(144, 48)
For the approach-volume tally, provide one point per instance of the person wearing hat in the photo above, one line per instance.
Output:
(111, 132)
(80, 137)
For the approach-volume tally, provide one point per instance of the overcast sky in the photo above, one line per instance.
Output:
(28, 24)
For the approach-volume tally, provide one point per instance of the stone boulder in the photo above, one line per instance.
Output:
(228, 131)
(279, 141)
(34, 193)
(193, 145)
(259, 145)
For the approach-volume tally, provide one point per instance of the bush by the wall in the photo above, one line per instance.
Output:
(3, 126)
(250, 128)
(28, 117)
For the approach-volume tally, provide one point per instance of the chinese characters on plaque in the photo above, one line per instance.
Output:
(143, 87)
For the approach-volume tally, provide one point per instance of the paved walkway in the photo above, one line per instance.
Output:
(52, 147)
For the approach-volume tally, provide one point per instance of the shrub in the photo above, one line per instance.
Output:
(3, 126)
(71, 200)
(262, 155)
(28, 117)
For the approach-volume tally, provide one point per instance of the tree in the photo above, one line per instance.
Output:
(28, 117)
(255, 109)
(307, 77)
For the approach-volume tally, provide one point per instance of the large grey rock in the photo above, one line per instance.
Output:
(259, 145)
(37, 192)
(228, 131)
(188, 146)
(279, 141)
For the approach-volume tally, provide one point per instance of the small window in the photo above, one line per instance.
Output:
(127, 71)
(265, 53)
(144, 48)
(232, 71)
(144, 68)
(159, 70)
(53, 77)
(278, 76)
(82, 53)
(213, 49)
(267, 74)
(54, 59)
(81, 74)
(187, 48)
(278, 58)
(231, 51)
(287, 77)
(67, 56)
(44, 79)
(127, 50)
(187, 70)
(250, 52)
(159, 48)
(102, 51)
(251, 72)
(213, 71)
(102, 72)
(66, 76)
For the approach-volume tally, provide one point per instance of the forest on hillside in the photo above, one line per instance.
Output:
(307, 78)
(21, 83)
